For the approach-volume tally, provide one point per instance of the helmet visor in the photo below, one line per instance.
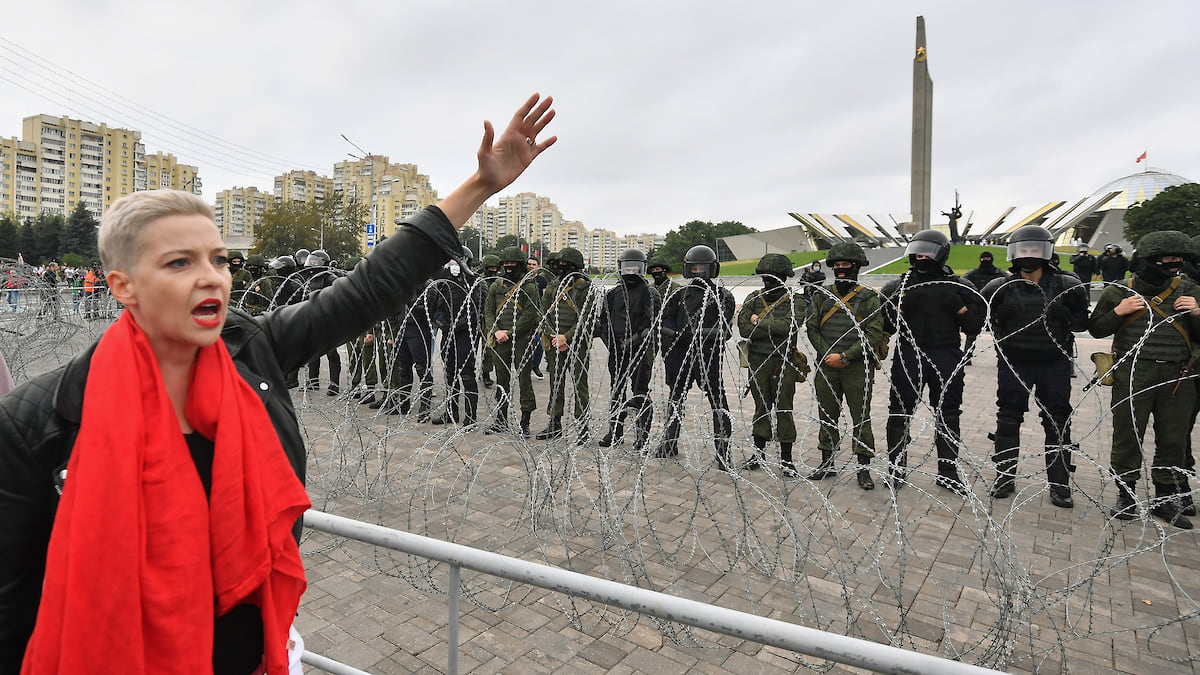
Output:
(1042, 250)
(632, 267)
(922, 247)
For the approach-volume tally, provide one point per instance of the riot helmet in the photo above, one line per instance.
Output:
(318, 258)
(1030, 248)
(631, 263)
(933, 245)
(284, 265)
(301, 257)
(701, 262)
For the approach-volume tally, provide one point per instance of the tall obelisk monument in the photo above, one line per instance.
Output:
(922, 132)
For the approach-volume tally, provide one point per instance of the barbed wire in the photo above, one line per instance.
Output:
(1011, 584)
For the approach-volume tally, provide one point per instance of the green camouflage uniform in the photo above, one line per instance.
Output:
(856, 334)
(567, 309)
(772, 371)
(516, 311)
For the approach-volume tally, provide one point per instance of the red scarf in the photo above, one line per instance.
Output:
(139, 564)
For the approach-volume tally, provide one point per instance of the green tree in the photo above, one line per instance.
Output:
(1175, 208)
(288, 226)
(469, 237)
(10, 239)
(25, 241)
(695, 233)
(79, 235)
(47, 230)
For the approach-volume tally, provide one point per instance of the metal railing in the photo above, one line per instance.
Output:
(809, 641)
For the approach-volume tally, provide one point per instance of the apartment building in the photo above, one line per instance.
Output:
(303, 186)
(59, 162)
(237, 211)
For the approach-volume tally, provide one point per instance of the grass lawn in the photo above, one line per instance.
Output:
(963, 258)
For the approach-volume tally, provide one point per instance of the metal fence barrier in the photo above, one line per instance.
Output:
(809, 641)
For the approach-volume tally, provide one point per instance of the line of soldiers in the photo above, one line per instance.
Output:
(1033, 314)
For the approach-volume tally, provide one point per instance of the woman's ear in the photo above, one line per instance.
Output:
(120, 285)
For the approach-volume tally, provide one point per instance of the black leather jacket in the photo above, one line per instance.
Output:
(39, 420)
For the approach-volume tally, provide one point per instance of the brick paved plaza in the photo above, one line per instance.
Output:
(1017, 585)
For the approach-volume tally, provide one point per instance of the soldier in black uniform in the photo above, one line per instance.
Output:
(1034, 316)
(288, 291)
(410, 378)
(458, 314)
(1113, 264)
(627, 314)
(696, 323)
(320, 276)
(926, 309)
(1154, 319)
(1084, 264)
(979, 277)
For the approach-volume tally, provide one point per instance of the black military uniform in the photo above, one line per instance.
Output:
(288, 291)
(979, 277)
(926, 309)
(458, 314)
(1034, 316)
(1084, 264)
(409, 377)
(1113, 264)
(696, 323)
(320, 276)
(627, 314)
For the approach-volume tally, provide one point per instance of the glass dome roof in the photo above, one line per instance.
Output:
(1138, 187)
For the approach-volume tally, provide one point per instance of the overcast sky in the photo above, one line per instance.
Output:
(667, 111)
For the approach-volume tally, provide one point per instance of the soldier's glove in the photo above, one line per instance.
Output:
(668, 333)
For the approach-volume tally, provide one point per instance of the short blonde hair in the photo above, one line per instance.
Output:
(121, 227)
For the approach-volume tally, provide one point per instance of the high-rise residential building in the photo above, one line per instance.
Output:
(60, 162)
(485, 223)
(303, 186)
(387, 190)
(165, 172)
(528, 216)
(600, 249)
(237, 211)
(567, 234)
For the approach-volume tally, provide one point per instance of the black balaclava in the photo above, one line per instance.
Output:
(845, 278)
(255, 271)
(1028, 265)
(235, 264)
(773, 287)
(1155, 272)
(986, 262)
(659, 274)
(513, 271)
(924, 267)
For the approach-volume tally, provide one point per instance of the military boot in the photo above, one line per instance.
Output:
(946, 444)
(553, 429)
(1167, 506)
(760, 454)
(1058, 473)
(722, 427)
(1186, 505)
(642, 424)
(500, 424)
(470, 408)
(864, 474)
(897, 441)
(669, 447)
(616, 428)
(425, 395)
(1007, 448)
(1126, 508)
(825, 469)
(785, 459)
(525, 415)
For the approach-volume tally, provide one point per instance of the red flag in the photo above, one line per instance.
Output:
(1140, 157)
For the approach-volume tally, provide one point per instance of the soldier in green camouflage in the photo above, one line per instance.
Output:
(511, 313)
(1154, 319)
(771, 320)
(568, 314)
(489, 271)
(845, 326)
